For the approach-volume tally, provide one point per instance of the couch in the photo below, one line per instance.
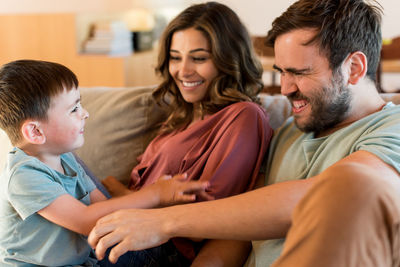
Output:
(122, 122)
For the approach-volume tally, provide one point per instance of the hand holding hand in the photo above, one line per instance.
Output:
(130, 230)
(177, 190)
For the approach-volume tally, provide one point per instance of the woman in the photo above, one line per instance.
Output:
(215, 131)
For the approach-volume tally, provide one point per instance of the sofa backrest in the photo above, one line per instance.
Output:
(122, 122)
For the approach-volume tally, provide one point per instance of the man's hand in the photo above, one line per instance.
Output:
(130, 230)
(178, 190)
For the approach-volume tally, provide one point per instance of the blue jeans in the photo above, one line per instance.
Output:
(162, 256)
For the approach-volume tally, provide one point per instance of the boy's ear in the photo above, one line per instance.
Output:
(32, 132)
(357, 65)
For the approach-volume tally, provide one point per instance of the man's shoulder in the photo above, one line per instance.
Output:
(391, 109)
(388, 116)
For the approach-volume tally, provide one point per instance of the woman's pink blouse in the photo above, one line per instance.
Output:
(226, 149)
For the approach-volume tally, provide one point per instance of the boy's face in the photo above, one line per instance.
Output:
(65, 124)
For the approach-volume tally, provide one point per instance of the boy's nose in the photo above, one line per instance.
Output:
(85, 114)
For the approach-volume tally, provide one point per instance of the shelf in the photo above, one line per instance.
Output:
(52, 37)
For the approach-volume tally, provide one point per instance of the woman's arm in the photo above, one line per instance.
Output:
(222, 253)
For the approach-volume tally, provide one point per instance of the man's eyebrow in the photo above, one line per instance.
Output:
(275, 67)
(292, 70)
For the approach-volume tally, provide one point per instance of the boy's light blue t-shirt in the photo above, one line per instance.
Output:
(26, 238)
(296, 155)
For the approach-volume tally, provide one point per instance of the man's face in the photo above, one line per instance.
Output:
(320, 99)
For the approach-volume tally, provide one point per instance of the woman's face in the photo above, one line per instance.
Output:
(191, 64)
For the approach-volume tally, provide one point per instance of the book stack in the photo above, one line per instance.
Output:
(112, 38)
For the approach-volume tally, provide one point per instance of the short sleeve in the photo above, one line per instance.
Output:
(32, 188)
(383, 141)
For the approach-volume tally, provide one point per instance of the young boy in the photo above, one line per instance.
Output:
(48, 205)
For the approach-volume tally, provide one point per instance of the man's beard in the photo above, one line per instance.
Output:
(329, 106)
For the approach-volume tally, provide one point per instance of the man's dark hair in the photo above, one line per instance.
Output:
(343, 27)
(26, 88)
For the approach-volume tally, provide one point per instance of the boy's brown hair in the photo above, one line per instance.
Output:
(26, 88)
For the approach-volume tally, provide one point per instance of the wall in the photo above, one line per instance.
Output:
(62, 6)
(256, 14)
(259, 15)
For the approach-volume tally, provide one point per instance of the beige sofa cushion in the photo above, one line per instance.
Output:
(278, 108)
(121, 123)
(393, 97)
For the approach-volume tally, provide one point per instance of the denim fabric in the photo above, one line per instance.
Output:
(162, 256)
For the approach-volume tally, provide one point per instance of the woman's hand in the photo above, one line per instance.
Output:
(178, 190)
(115, 187)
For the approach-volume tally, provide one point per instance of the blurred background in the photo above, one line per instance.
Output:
(114, 42)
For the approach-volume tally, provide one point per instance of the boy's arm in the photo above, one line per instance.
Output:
(96, 196)
(72, 214)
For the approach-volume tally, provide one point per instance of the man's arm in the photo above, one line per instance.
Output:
(264, 213)
(259, 214)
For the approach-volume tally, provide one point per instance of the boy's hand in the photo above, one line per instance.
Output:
(177, 190)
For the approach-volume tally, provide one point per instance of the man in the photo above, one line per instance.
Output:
(342, 137)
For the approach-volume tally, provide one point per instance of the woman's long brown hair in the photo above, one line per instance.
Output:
(240, 72)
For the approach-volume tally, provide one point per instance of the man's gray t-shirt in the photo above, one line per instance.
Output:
(297, 155)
